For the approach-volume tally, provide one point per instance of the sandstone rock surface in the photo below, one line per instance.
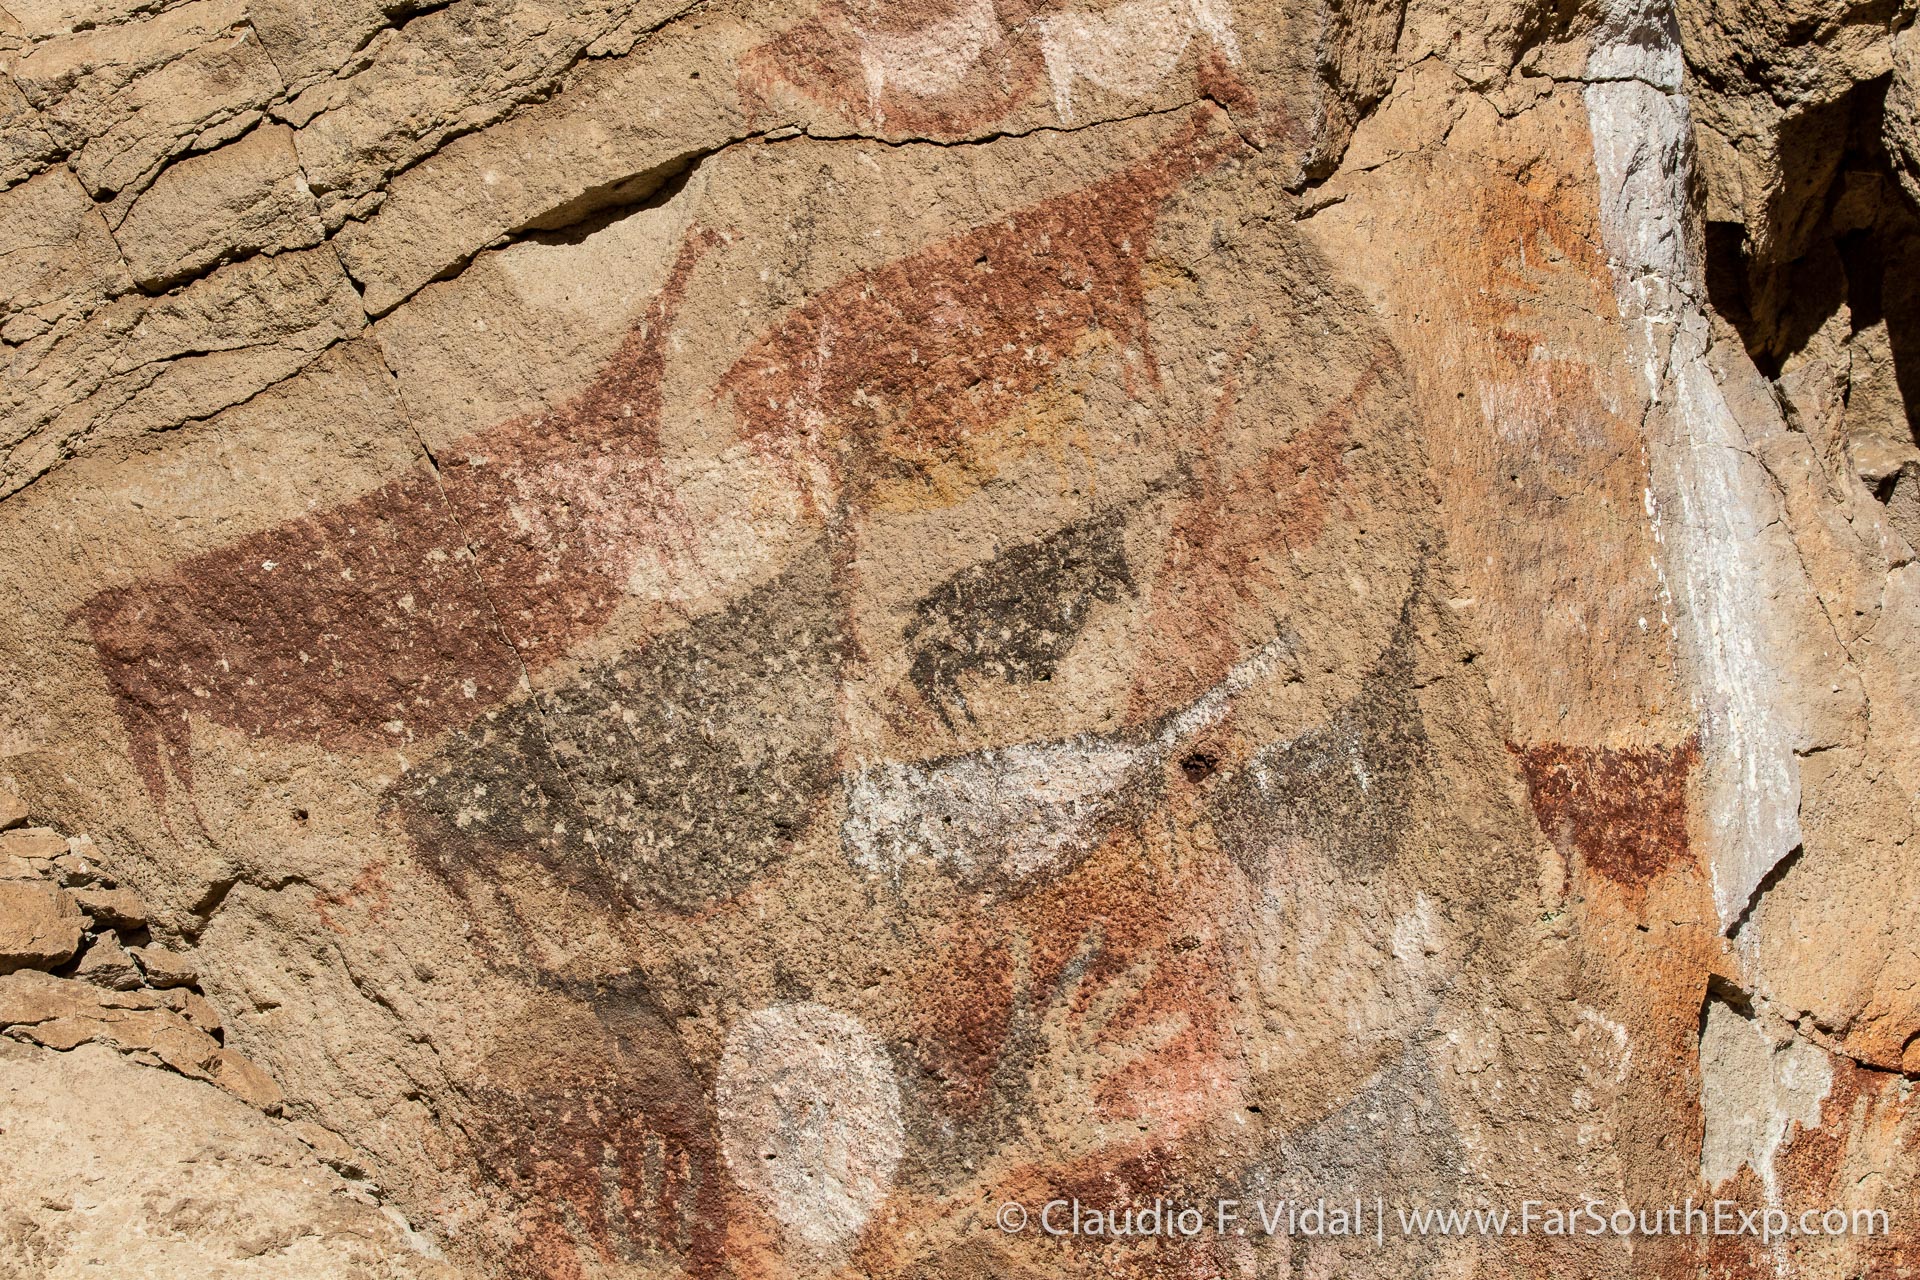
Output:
(40, 926)
(119, 1170)
(13, 809)
(713, 639)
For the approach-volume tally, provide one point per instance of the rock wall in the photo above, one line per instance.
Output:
(715, 639)
(144, 1171)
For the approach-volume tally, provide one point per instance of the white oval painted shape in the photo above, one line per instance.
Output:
(809, 1118)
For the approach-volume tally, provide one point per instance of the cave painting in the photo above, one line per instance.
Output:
(643, 779)
(648, 777)
(1016, 616)
(407, 611)
(921, 362)
(957, 65)
(1128, 49)
(1622, 811)
(809, 1118)
(930, 61)
(596, 1123)
(415, 608)
(667, 781)
(1019, 811)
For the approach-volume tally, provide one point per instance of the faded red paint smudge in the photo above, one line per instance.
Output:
(370, 883)
(909, 358)
(417, 605)
(825, 58)
(1229, 532)
(1624, 810)
(820, 57)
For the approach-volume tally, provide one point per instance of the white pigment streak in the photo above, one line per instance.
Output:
(1130, 48)
(1715, 494)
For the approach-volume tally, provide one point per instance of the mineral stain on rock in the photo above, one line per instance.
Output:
(1015, 617)
(673, 774)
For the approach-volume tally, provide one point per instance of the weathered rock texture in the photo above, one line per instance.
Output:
(709, 639)
(108, 1164)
